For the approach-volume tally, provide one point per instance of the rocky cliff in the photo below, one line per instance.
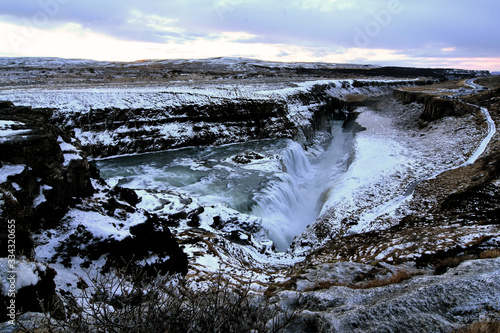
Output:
(117, 131)
(48, 187)
(435, 107)
(53, 174)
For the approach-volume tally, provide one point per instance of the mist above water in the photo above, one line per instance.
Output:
(288, 206)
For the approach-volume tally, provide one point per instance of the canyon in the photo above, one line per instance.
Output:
(306, 181)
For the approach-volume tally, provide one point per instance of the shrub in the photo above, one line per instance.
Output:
(488, 254)
(119, 302)
(483, 326)
(450, 262)
(397, 277)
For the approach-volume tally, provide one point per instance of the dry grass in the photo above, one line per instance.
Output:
(448, 85)
(355, 98)
(491, 82)
(322, 285)
(489, 254)
(483, 326)
(450, 262)
(397, 277)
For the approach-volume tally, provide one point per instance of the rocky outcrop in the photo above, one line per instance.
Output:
(408, 97)
(435, 107)
(49, 189)
(149, 238)
(34, 288)
(55, 176)
(49, 179)
(116, 131)
(430, 303)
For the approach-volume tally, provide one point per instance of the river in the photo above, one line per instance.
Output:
(276, 180)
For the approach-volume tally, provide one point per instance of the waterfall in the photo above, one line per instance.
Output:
(282, 205)
(287, 198)
(294, 201)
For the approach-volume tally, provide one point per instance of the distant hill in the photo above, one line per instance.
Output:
(232, 65)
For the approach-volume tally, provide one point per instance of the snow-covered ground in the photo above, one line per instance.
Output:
(78, 100)
(431, 303)
(387, 159)
(155, 114)
(7, 131)
(396, 156)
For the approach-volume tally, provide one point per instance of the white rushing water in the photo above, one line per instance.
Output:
(291, 204)
(285, 186)
(209, 174)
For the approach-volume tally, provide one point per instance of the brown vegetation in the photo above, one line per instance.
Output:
(121, 302)
(489, 254)
(396, 277)
(491, 82)
(483, 326)
(443, 264)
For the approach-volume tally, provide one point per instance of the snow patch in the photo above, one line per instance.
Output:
(41, 197)
(25, 274)
(8, 170)
(104, 226)
(6, 130)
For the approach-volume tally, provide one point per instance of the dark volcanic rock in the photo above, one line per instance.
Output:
(144, 130)
(434, 107)
(126, 194)
(41, 194)
(150, 238)
(6, 104)
(247, 157)
(39, 297)
(437, 108)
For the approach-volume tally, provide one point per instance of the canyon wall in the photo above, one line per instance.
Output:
(435, 107)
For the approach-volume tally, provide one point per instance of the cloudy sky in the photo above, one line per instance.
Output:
(422, 33)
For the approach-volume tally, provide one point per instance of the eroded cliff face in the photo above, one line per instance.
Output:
(47, 188)
(53, 173)
(118, 131)
(435, 107)
(135, 120)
